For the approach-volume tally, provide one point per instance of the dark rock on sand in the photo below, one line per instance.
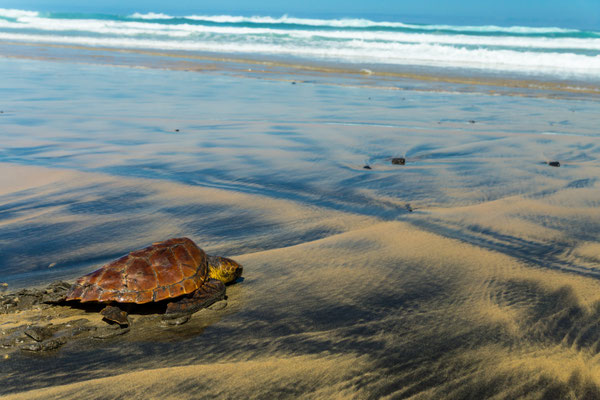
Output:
(55, 292)
(50, 344)
(26, 299)
(38, 333)
(554, 164)
(398, 161)
(367, 167)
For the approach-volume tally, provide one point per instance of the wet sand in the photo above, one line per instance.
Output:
(487, 288)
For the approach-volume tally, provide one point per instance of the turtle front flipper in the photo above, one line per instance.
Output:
(115, 314)
(210, 292)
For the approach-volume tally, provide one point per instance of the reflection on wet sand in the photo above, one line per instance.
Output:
(489, 287)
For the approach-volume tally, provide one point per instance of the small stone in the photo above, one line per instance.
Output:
(176, 130)
(367, 167)
(38, 333)
(398, 161)
(554, 164)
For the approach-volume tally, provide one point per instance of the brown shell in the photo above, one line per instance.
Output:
(164, 270)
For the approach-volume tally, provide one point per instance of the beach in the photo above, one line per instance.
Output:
(471, 271)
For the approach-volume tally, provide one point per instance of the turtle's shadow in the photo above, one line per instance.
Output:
(158, 307)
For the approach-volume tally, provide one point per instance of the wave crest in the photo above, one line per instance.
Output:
(12, 13)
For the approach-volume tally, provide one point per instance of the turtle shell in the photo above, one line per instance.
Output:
(162, 271)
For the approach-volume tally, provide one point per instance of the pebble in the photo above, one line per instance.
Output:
(554, 164)
(398, 161)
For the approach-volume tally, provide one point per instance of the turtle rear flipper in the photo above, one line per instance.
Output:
(210, 292)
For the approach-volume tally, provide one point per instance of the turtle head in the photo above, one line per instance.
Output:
(223, 269)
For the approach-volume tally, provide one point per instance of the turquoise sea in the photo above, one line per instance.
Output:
(549, 52)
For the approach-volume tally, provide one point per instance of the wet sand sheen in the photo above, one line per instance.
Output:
(489, 287)
(456, 321)
(278, 68)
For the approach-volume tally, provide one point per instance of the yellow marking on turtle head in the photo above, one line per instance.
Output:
(224, 269)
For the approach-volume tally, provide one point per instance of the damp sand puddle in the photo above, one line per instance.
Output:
(470, 268)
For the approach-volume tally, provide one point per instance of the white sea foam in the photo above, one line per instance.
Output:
(459, 47)
(386, 53)
(151, 16)
(365, 23)
(11, 13)
(313, 22)
(182, 30)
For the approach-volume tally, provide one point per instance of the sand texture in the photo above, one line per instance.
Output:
(469, 272)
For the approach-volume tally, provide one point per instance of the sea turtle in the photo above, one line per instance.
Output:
(175, 270)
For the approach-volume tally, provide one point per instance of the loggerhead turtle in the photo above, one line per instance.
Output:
(175, 269)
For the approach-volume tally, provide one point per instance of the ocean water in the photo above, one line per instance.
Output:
(548, 52)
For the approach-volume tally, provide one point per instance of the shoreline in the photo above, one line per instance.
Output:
(380, 76)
